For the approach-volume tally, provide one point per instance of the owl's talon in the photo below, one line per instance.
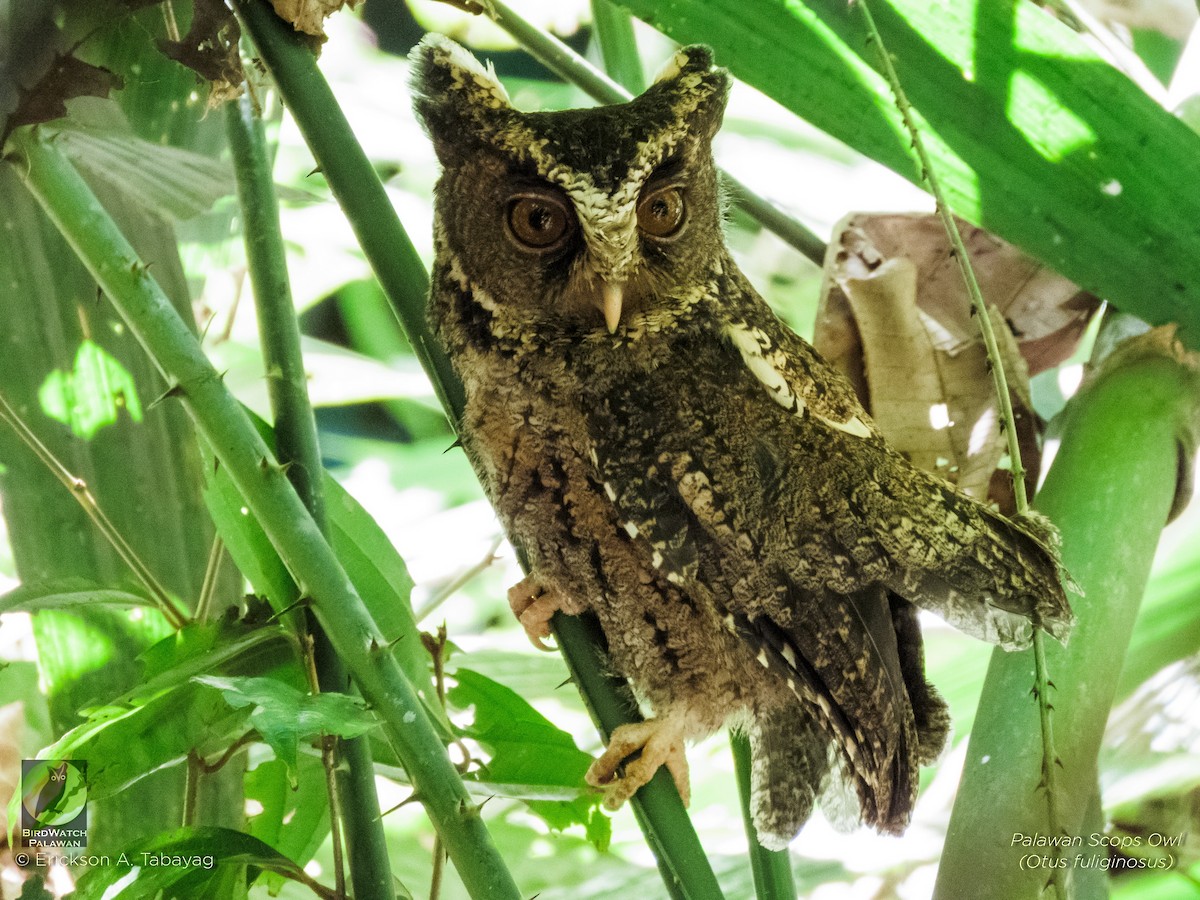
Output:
(534, 606)
(661, 742)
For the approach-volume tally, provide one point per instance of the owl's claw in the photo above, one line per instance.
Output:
(534, 605)
(660, 742)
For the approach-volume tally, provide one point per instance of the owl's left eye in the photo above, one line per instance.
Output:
(660, 213)
(539, 221)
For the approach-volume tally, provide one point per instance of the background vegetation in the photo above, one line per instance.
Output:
(191, 700)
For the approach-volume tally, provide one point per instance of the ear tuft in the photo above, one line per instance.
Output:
(695, 88)
(693, 58)
(455, 96)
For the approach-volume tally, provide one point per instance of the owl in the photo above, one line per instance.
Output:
(672, 458)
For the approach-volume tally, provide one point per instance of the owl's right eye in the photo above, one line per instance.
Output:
(539, 221)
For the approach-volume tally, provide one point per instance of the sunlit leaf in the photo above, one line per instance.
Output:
(528, 749)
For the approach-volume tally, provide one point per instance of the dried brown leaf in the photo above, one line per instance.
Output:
(308, 16)
(895, 317)
(68, 77)
(210, 49)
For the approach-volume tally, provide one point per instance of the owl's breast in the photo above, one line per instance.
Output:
(533, 453)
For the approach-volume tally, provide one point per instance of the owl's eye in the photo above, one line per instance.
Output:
(539, 221)
(660, 213)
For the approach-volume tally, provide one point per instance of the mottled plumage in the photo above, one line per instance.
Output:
(671, 457)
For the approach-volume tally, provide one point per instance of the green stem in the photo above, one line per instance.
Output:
(78, 215)
(1041, 674)
(354, 801)
(1111, 516)
(569, 65)
(772, 869)
(618, 45)
(356, 186)
(681, 857)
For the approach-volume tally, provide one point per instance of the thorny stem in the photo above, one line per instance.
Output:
(176, 617)
(220, 419)
(356, 828)
(979, 308)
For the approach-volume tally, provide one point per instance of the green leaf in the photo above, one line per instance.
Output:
(221, 646)
(91, 394)
(529, 750)
(1033, 135)
(167, 181)
(285, 715)
(294, 819)
(67, 593)
(122, 744)
(166, 716)
(376, 569)
(201, 861)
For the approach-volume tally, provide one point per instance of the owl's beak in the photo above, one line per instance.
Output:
(609, 302)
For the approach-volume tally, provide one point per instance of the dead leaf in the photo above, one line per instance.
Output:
(210, 49)
(895, 317)
(308, 16)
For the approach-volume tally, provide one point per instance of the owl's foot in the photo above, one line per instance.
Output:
(660, 742)
(534, 605)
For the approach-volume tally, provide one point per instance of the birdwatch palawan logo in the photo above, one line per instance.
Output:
(53, 804)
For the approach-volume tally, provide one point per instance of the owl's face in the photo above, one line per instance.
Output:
(578, 224)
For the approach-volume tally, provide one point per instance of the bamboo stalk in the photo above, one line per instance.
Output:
(354, 802)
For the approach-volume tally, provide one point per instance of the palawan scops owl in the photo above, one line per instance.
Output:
(671, 457)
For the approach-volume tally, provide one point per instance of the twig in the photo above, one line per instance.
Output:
(1042, 683)
(455, 584)
(216, 555)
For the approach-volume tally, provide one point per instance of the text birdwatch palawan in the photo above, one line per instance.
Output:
(672, 458)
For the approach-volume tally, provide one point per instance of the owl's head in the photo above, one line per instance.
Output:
(579, 223)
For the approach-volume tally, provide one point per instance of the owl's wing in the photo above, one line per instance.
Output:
(837, 652)
(987, 575)
(794, 525)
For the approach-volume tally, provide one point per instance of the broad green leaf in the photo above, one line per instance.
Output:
(195, 862)
(294, 819)
(284, 715)
(68, 593)
(1032, 134)
(528, 749)
(92, 393)
(169, 182)
(122, 744)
